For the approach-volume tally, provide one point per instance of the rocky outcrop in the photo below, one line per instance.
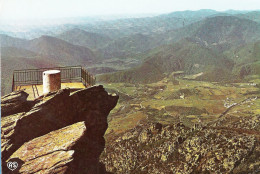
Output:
(14, 103)
(50, 150)
(175, 148)
(62, 151)
(66, 127)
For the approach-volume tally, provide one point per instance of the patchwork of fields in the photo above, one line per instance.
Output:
(188, 101)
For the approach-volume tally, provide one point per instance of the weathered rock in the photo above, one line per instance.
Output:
(62, 151)
(182, 150)
(57, 111)
(15, 102)
(7, 130)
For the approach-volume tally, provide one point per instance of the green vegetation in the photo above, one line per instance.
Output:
(187, 56)
(80, 37)
(189, 101)
(254, 16)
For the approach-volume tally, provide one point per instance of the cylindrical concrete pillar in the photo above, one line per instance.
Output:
(51, 81)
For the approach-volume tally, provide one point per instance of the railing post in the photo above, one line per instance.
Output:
(85, 78)
(89, 79)
(70, 74)
(81, 74)
(25, 76)
(13, 83)
(36, 77)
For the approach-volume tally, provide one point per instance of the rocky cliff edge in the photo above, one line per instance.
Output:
(61, 132)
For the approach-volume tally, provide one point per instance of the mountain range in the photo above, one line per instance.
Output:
(205, 45)
(211, 45)
(185, 55)
(217, 31)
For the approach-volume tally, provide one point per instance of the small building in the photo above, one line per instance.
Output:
(177, 74)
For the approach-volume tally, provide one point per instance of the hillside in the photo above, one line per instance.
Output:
(195, 59)
(247, 59)
(203, 13)
(221, 32)
(246, 53)
(17, 52)
(8, 41)
(128, 46)
(254, 16)
(147, 25)
(61, 51)
(14, 59)
(133, 35)
(218, 32)
(230, 30)
(187, 56)
(152, 25)
(83, 38)
(54, 48)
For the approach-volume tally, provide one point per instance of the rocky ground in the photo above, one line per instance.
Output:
(186, 127)
(175, 148)
(58, 133)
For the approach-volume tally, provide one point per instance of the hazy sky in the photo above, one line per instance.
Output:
(29, 9)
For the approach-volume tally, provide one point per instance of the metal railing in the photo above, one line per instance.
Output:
(68, 74)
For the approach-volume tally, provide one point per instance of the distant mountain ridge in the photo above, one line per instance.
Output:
(192, 58)
(83, 38)
(217, 30)
(221, 32)
(254, 16)
(161, 44)
(124, 26)
(55, 48)
(191, 14)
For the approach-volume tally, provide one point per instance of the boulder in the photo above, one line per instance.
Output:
(62, 151)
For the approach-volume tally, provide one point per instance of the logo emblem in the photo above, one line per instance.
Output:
(12, 165)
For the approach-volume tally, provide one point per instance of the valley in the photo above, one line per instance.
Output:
(186, 101)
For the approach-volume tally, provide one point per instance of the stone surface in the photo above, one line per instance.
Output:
(62, 151)
(175, 148)
(15, 102)
(53, 112)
